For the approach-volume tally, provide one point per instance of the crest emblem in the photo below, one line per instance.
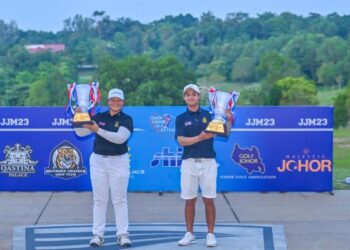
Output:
(65, 161)
(17, 161)
(204, 120)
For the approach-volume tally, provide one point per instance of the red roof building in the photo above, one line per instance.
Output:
(37, 48)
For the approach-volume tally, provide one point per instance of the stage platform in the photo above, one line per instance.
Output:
(311, 221)
(155, 236)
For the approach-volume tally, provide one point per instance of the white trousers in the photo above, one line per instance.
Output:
(110, 175)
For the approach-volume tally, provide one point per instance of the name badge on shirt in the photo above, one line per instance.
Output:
(204, 120)
(116, 124)
(188, 123)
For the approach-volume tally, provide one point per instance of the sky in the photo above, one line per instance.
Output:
(47, 15)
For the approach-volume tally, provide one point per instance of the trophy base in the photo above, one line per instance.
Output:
(81, 119)
(217, 127)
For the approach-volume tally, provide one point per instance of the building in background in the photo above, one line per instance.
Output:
(38, 48)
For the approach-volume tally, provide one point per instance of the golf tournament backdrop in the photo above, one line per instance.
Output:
(269, 149)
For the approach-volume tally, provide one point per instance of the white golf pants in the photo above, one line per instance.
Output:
(110, 175)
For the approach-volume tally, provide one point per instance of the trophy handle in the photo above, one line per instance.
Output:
(211, 97)
(233, 101)
(94, 94)
(72, 98)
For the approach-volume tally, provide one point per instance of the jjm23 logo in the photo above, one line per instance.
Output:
(18, 162)
(65, 161)
(305, 162)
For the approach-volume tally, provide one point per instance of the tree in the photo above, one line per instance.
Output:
(145, 81)
(79, 24)
(251, 96)
(342, 108)
(214, 72)
(274, 67)
(252, 27)
(50, 86)
(330, 74)
(319, 24)
(332, 50)
(243, 69)
(98, 15)
(6, 81)
(233, 25)
(297, 91)
(209, 29)
(17, 93)
(264, 48)
(303, 49)
(202, 54)
(9, 34)
(82, 53)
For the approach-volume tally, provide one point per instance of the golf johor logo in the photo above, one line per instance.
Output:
(65, 162)
(17, 161)
(249, 159)
(166, 158)
(163, 123)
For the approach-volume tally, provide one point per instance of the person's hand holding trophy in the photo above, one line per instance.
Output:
(82, 99)
(221, 106)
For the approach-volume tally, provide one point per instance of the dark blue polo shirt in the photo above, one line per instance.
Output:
(112, 124)
(190, 124)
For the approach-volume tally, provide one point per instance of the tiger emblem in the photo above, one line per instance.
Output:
(66, 158)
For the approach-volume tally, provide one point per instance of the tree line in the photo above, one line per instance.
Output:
(287, 55)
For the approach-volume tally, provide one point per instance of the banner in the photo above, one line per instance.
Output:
(269, 149)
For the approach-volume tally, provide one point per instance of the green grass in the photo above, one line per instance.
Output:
(326, 96)
(341, 158)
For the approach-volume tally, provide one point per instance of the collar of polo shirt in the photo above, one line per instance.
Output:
(195, 112)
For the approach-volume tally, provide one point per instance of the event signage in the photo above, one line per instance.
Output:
(269, 149)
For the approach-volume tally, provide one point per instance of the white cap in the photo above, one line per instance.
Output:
(192, 86)
(116, 93)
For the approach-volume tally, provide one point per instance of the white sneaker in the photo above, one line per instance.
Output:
(188, 239)
(123, 240)
(211, 241)
(96, 241)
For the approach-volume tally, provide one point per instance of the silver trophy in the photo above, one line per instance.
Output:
(85, 97)
(219, 102)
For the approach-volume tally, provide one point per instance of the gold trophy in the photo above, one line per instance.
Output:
(83, 97)
(219, 102)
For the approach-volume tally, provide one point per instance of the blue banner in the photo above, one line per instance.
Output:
(269, 149)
